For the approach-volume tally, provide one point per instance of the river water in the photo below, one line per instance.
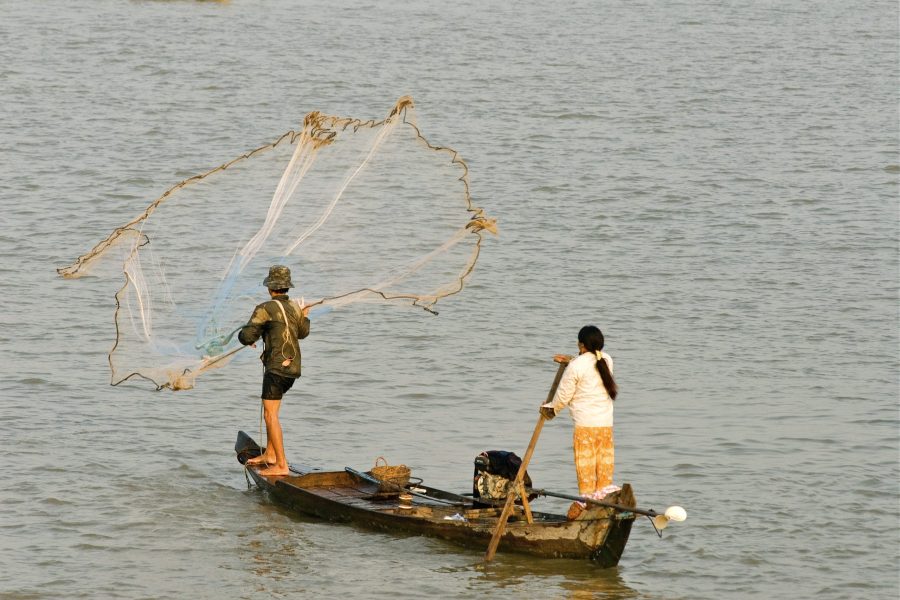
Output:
(714, 184)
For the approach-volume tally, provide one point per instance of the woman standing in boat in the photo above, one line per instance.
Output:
(587, 387)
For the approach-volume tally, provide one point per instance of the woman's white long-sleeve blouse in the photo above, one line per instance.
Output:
(582, 390)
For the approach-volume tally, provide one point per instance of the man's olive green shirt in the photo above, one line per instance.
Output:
(282, 339)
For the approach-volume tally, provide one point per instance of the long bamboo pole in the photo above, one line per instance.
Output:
(619, 507)
(520, 476)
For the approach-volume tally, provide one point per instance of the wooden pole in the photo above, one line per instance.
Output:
(515, 486)
(619, 507)
(524, 496)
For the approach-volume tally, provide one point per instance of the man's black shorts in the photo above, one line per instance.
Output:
(274, 386)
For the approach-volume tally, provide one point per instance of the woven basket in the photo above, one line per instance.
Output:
(393, 477)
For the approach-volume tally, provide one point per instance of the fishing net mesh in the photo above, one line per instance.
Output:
(361, 211)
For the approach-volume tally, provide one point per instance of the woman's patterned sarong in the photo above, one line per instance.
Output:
(594, 458)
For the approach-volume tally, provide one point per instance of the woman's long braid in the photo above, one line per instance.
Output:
(592, 339)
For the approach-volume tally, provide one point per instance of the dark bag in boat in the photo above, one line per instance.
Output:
(494, 469)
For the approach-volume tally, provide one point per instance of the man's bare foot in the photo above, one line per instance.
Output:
(274, 472)
(261, 460)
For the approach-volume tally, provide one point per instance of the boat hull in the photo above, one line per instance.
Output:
(600, 534)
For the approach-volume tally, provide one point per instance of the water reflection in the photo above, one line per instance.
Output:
(607, 584)
(274, 547)
(555, 577)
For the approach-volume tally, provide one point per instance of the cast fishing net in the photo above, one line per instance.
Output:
(361, 211)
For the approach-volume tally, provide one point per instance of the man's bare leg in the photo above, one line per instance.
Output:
(274, 439)
(268, 456)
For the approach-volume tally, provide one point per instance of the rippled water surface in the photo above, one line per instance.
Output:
(714, 184)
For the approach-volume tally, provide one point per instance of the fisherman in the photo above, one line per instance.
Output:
(282, 325)
(588, 388)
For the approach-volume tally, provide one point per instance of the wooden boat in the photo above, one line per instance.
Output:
(599, 533)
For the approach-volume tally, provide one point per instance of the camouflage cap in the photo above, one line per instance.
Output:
(279, 278)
